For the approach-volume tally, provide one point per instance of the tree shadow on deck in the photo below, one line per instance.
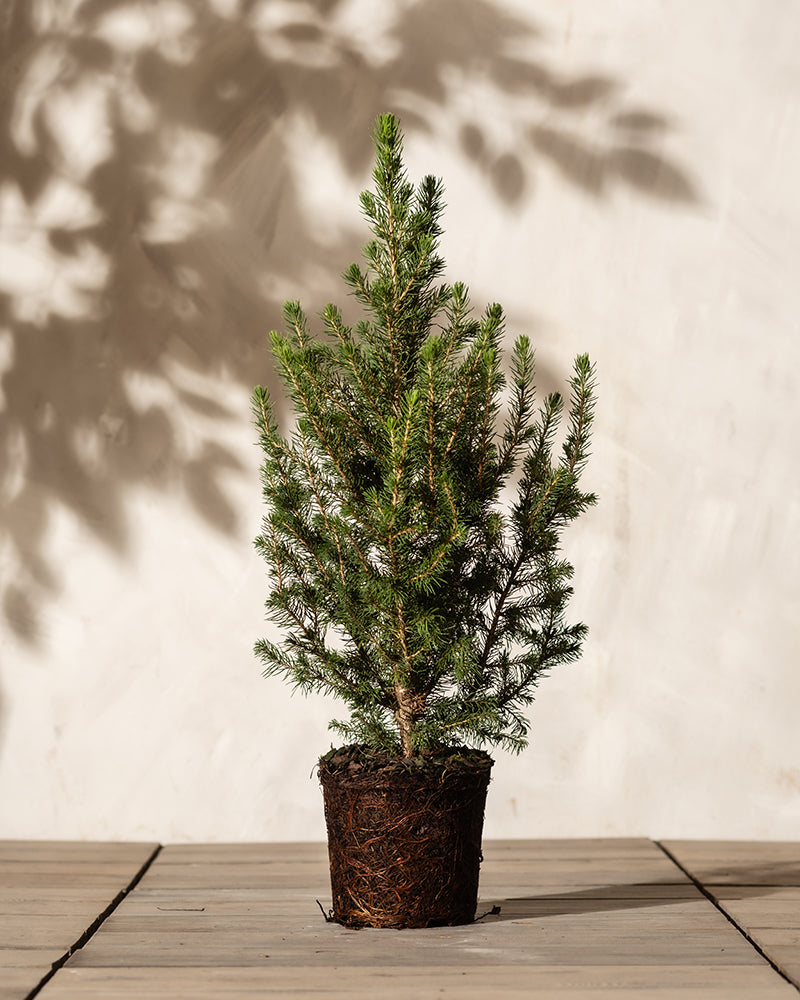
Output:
(603, 899)
(730, 882)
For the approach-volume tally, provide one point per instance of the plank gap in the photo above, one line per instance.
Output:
(96, 924)
(712, 899)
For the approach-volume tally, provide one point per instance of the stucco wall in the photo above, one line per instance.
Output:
(621, 176)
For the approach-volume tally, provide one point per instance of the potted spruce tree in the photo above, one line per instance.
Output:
(412, 536)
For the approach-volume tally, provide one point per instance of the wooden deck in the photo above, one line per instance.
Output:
(578, 919)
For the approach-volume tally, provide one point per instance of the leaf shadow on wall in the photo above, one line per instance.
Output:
(152, 215)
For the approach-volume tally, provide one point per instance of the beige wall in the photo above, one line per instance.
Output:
(621, 176)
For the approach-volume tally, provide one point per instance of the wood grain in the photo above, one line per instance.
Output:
(758, 885)
(577, 919)
(51, 895)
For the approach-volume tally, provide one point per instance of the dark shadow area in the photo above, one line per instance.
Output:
(730, 880)
(605, 899)
(153, 216)
(778, 871)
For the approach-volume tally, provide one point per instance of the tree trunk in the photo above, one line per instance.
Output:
(409, 708)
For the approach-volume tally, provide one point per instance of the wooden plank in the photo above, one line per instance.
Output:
(784, 937)
(783, 948)
(248, 853)
(757, 906)
(315, 878)
(123, 951)
(578, 919)
(52, 902)
(570, 848)
(758, 885)
(636, 909)
(768, 863)
(23, 930)
(585, 873)
(70, 851)
(185, 922)
(787, 959)
(547, 869)
(691, 933)
(80, 875)
(226, 900)
(735, 850)
(571, 897)
(287, 901)
(55, 869)
(790, 967)
(27, 958)
(50, 895)
(69, 880)
(394, 982)
(16, 984)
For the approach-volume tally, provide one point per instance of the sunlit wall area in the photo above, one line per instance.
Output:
(621, 177)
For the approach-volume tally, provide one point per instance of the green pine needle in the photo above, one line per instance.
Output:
(400, 583)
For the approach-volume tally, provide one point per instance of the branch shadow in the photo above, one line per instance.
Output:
(755, 883)
(747, 879)
(605, 899)
(153, 216)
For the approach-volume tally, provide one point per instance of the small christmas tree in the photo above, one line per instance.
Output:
(401, 583)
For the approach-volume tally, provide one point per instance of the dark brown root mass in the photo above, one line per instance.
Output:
(404, 835)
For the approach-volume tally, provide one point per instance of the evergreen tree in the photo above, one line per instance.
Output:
(402, 584)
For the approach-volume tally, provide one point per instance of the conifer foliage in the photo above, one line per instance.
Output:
(403, 583)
